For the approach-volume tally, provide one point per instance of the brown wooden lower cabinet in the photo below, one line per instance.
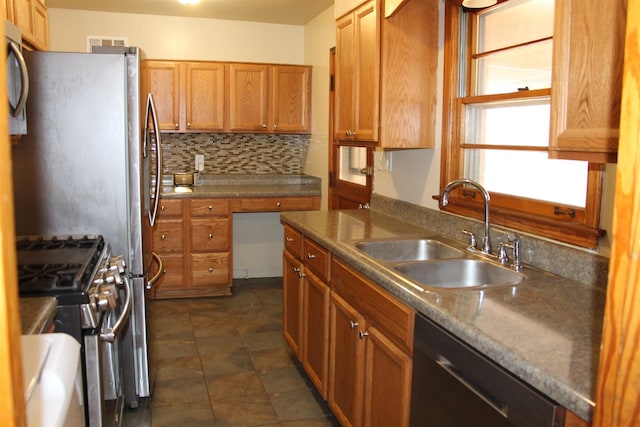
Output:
(358, 358)
(306, 316)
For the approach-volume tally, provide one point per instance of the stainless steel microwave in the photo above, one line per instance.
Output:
(17, 80)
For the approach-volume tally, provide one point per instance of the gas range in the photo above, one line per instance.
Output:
(94, 304)
(59, 266)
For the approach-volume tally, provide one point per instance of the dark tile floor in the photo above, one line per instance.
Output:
(223, 362)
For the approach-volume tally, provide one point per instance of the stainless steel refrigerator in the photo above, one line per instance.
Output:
(83, 167)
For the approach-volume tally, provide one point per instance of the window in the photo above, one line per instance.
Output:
(496, 125)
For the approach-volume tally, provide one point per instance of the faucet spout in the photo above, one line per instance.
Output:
(486, 240)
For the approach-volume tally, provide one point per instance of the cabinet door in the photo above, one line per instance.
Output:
(345, 77)
(292, 302)
(387, 382)
(358, 74)
(40, 26)
(291, 93)
(211, 269)
(172, 278)
(367, 72)
(315, 354)
(248, 97)
(346, 360)
(22, 16)
(162, 79)
(586, 86)
(210, 234)
(167, 236)
(205, 96)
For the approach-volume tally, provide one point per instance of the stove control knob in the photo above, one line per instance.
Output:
(107, 299)
(117, 263)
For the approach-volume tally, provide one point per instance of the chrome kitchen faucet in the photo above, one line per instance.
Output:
(486, 240)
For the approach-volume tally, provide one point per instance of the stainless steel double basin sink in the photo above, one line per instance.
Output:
(430, 263)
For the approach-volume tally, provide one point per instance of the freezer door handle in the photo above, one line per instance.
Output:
(14, 49)
(160, 272)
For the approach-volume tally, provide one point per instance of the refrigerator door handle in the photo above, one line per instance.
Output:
(151, 112)
(24, 79)
(160, 272)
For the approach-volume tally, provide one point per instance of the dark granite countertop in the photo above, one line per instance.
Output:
(546, 330)
(255, 185)
(36, 313)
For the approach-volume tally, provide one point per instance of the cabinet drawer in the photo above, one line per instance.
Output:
(293, 241)
(209, 207)
(381, 309)
(316, 257)
(276, 204)
(173, 272)
(169, 208)
(167, 236)
(210, 269)
(210, 234)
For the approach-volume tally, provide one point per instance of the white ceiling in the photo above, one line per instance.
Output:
(291, 12)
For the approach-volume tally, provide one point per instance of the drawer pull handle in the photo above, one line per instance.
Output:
(311, 256)
(210, 207)
(163, 237)
(353, 324)
(362, 335)
(301, 275)
(289, 239)
(210, 236)
(278, 204)
(210, 269)
(296, 270)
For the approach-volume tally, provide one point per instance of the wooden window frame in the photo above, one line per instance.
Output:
(571, 225)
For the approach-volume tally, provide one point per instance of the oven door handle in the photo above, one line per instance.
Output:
(111, 334)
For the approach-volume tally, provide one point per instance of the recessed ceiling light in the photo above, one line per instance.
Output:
(189, 1)
(477, 4)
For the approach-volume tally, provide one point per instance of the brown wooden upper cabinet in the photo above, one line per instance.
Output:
(586, 86)
(207, 96)
(269, 98)
(385, 82)
(189, 96)
(32, 19)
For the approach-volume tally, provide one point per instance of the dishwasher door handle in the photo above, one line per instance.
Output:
(451, 370)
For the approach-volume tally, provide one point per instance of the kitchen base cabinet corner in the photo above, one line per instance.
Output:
(306, 306)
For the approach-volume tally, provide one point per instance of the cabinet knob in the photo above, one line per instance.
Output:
(210, 207)
(289, 239)
(264, 126)
(189, 125)
(353, 324)
(210, 269)
(210, 236)
(278, 204)
(296, 270)
(275, 126)
(163, 236)
(301, 275)
(311, 256)
(162, 208)
(177, 126)
(362, 335)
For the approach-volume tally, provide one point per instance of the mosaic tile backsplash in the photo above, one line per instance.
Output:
(235, 153)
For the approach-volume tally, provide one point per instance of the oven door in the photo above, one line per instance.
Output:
(104, 365)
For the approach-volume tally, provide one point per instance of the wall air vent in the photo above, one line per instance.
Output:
(106, 41)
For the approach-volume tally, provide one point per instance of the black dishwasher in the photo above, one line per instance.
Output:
(454, 385)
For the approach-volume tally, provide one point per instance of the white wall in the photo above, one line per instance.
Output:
(319, 37)
(166, 37)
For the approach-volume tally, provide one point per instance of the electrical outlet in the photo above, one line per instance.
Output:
(199, 162)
